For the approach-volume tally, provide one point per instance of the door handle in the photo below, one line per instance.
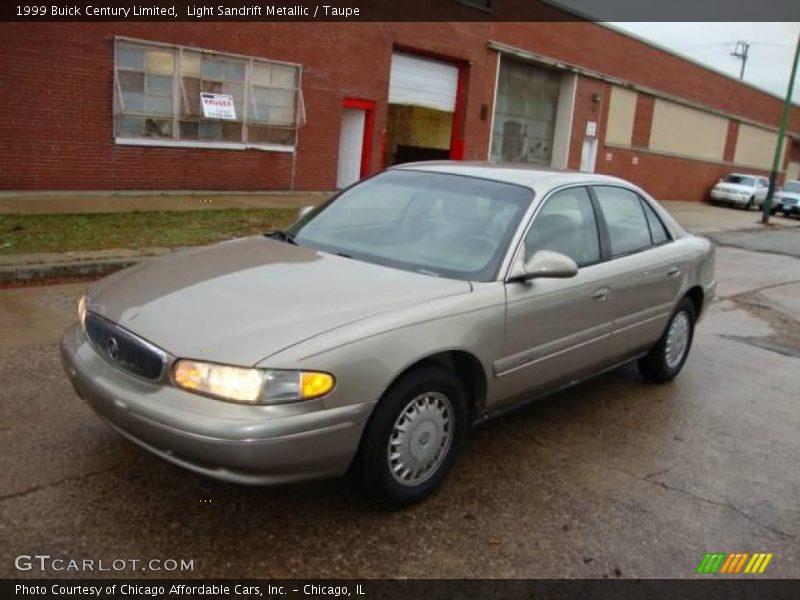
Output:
(673, 272)
(601, 295)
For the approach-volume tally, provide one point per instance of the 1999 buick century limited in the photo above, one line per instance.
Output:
(370, 335)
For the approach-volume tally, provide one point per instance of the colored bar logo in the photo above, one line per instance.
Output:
(738, 562)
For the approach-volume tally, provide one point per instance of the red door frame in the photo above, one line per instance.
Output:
(368, 106)
(457, 142)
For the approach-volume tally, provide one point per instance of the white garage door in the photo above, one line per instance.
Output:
(423, 82)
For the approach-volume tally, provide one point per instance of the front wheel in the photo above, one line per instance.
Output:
(749, 205)
(665, 360)
(413, 437)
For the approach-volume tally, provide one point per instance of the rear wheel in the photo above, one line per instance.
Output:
(666, 359)
(413, 437)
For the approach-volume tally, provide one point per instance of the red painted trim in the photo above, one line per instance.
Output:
(366, 148)
(457, 143)
(429, 54)
(368, 106)
(358, 103)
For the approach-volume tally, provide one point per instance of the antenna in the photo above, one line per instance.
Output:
(741, 51)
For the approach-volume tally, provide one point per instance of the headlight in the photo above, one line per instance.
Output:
(251, 386)
(82, 310)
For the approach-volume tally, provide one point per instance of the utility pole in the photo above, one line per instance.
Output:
(787, 103)
(741, 51)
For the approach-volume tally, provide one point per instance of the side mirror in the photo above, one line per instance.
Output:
(543, 263)
(304, 211)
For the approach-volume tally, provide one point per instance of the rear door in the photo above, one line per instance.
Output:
(648, 274)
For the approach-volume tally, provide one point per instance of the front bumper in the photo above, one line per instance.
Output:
(731, 197)
(232, 442)
(790, 209)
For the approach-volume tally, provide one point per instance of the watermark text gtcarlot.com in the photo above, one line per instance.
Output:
(47, 563)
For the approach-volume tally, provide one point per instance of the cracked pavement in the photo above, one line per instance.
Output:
(613, 478)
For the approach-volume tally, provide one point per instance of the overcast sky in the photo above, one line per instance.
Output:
(771, 48)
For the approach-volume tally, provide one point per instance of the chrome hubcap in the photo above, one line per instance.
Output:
(420, 438)
(677, 339)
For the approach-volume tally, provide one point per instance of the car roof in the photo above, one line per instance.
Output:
(531, 176)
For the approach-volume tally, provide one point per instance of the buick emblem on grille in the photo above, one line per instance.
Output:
(112, 347)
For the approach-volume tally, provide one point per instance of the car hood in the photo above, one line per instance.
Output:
(789, 195)
(239, 302)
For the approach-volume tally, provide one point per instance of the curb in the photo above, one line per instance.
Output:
(33, 272)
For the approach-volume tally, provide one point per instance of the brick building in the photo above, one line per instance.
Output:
(119, 105)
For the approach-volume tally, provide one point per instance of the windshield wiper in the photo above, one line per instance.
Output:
(282, 235)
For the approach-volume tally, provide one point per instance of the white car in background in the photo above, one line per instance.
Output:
(740, 189)
(788, 199)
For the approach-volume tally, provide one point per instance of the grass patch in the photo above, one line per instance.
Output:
(21, 234)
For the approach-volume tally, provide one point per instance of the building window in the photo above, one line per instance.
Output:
(162, 96)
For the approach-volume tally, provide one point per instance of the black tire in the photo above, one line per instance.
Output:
(750, 204)
(655, 366)
(371, 469)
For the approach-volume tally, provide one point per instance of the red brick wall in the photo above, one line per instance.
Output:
(730, 141)
(666, 177)
(643, 120)
(56, 88)
(794, 151)
(585, 110)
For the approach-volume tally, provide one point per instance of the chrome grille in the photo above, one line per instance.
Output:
(123, 349)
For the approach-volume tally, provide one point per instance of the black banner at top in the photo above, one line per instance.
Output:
(401, 10)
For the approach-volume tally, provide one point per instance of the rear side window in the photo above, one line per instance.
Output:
(657, 230)
(566, 224)
(625, 218)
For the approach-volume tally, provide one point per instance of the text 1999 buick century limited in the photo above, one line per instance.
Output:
(375, 330)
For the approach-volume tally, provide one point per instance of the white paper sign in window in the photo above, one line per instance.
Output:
(218, 106)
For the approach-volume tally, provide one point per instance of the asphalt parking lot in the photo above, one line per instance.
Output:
(613, 478)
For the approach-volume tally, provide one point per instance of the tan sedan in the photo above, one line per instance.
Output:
(372, 333)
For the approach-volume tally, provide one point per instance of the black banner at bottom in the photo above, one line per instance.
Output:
(371, 589)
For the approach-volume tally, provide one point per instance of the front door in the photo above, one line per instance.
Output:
(351, 146)
(557, 329)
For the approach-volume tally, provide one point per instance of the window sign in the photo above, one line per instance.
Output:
(218, 106)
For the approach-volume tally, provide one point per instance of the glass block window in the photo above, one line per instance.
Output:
(525, 113)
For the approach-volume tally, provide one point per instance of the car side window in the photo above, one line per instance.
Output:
(566, 224)
(658, 232)
(625, 218)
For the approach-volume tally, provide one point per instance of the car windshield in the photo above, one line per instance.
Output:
(793, 187)
(740, 180)
(439, 224)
